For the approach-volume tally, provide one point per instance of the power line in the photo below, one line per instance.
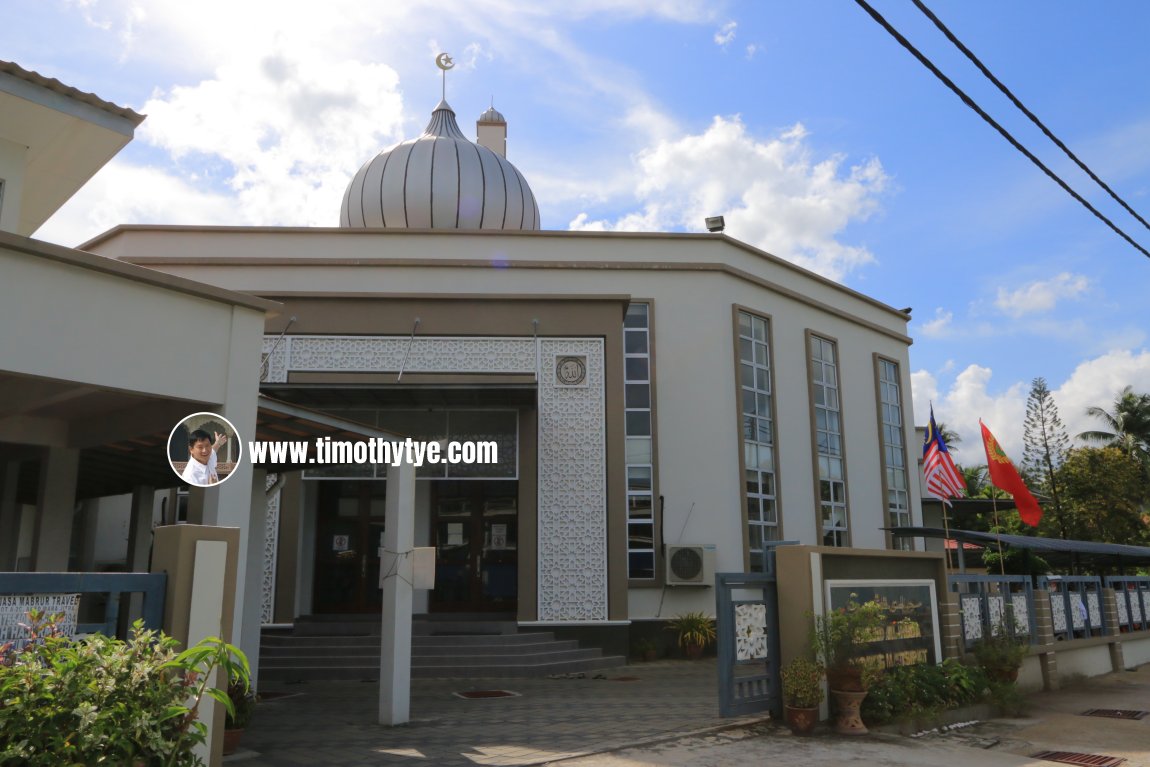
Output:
(1034, 119)
(990, 121)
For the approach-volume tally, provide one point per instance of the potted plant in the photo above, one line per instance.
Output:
(842, 641)
(646, 650)
(1000, 656)
(695, 631)
(243, 700)
(802, 694)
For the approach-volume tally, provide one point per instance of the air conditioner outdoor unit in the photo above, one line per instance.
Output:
(690, 565)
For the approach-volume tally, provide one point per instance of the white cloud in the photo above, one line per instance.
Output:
(970, 397)
(940, 326)
(726, 34)
(1041, 295)
(751, 50)
(773, 193)
(122, 193)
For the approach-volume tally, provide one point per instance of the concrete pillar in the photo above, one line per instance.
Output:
(253, 605)
(139, 542)
(9, 515)
(1113, 630)
(950, 626)
(201, 565)
(229, 504)
(1044, 631)
(56, 501)
(396, 572)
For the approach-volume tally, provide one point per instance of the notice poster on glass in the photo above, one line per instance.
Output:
(498, 536)
(454, 533)
(910, 633)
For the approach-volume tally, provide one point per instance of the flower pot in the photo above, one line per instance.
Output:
(650, 655)
(232, 741)
(693, 651)
(848, 720)
(847, 678)
(802, 721)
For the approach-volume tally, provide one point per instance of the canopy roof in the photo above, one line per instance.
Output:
(1114, 554)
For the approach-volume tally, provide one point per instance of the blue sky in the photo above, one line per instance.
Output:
(817, 136)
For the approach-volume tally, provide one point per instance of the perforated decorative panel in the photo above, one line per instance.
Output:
(750, 632)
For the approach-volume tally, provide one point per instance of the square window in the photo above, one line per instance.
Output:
(635, 341)
(639, 506)
(636, 369)
(636, 316)
(639, 450)
(638, 423)
(639, 478)
(641, 565)
(637, 395)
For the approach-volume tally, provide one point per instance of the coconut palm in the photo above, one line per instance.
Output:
(949, 436)
(1127, 425)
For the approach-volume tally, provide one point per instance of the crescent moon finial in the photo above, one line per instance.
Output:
(444, 61)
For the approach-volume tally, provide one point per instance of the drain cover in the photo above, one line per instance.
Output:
(1115, 713)
(626, 679)
(1073, 757)
(475, 694)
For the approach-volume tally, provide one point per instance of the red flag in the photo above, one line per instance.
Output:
(1004, 476)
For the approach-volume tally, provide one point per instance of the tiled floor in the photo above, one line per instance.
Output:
(334, 723)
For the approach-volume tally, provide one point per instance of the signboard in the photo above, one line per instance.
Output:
(911, 632)
(340, 542)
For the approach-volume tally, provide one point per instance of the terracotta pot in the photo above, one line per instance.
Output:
(802, 721)
(848, 720)
(846, 678)
(232, 741)
(693, 651)
(650, 655)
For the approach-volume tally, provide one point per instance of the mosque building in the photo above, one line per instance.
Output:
(664, 405)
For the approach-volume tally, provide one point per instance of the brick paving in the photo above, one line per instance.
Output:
(334, 723)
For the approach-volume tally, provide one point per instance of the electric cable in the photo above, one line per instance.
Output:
(966, 99)
(1022, 107)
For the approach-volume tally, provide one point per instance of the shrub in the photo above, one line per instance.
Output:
(693, 629)
(923, 689)
(100, 700)
(802, 683)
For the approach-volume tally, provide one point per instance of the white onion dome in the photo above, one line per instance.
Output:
(440, 180)
(492, 115)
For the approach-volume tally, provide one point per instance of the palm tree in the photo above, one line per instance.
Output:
(1128, 425)
(950, 437)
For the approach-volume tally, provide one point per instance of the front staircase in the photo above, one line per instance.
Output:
(347, 648)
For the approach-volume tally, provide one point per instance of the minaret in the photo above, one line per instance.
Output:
(491, 131)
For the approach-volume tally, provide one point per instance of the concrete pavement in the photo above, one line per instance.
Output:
(662, 713)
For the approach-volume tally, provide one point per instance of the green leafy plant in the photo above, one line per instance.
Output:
(921, 691)
(802, 683)
(100, 700)
(243, 700)
(841, 641)
(695, 629)
(645, 649)
(999, 655)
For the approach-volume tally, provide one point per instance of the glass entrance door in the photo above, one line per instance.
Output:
(349, 534)
(475, 526)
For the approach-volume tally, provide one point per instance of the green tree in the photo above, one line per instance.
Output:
(1044, 446)
(1103, 489)
(1127, 425)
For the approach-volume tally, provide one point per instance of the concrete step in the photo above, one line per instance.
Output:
(371, 673)
(443, 662)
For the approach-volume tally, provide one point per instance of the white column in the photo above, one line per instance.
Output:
(230, 503)
(52, 542)
(396, 575)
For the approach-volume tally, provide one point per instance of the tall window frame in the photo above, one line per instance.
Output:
(828, 441)
(892, 438)
(639, 428)
(754, 371)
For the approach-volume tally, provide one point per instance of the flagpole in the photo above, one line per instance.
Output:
(997, 533)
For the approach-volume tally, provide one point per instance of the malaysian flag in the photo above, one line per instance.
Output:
(943, 479)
